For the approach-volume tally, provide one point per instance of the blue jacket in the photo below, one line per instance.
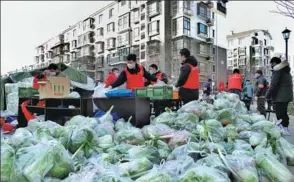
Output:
(249, 90)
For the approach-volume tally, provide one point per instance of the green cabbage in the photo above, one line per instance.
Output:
(7, 161)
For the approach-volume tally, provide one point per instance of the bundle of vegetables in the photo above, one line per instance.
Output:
(199, 142)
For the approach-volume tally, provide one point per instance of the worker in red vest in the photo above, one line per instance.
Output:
(235, 82)
(133, 75)
(188, 82)
(153, 70)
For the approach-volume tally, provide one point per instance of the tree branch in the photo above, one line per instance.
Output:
(285, 8)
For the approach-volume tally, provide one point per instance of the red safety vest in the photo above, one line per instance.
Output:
(193, 78)
(135, 80)
(35, 82)
(235, 81)
(158, 76)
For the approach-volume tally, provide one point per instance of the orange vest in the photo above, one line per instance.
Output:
(235, 81)
(193, 78)
(135, 80)
(158, 76)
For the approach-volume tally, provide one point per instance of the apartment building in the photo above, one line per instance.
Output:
(154, 30)
(250, 51)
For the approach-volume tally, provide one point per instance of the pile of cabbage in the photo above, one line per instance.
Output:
(200, 142)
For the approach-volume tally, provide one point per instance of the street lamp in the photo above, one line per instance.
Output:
(286, 35)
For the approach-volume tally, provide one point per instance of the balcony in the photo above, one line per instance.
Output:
(210, 22)
(187, 12)
(100, 48)
(135, 19)
(115, 60)
(209, 40)
(37, 59)
(42, 58)
(99, 62)
(202, 35)
(110, 44)
(221, 8)
(153, 48)
(135, 7)
(154, 11)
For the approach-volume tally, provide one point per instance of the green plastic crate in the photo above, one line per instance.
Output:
(27, 92)
(164, 92)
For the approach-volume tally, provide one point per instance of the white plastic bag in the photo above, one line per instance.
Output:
(74, 95)
(100, 91)
(159, 83)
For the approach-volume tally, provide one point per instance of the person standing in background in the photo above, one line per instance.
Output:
(248, 94)
(112, 76)
(153, 70)
(260, 91)
(235, 82)
(207, 87)
(188, 82)
(281, 91)
(221, 87)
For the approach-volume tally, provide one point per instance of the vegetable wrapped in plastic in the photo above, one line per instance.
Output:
(135, 168)
(104, 129)
(286, 149)
(179, 138)
(156, 130)
(151, 153)
(214, 161)
(7, 161)
(191, 149)
(130, 136)
(263, 125)
(168, 118)
(273, 169)
(186, 121)
(155, 175)
(22, 138)
(193, 107)
(105, 142)
(122, 124)
(204, 174)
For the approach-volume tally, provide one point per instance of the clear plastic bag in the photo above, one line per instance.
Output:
(286, 149)
(100, 90)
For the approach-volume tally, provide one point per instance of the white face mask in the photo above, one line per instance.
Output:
(116, 74)
(131, 65)
(256, 75)
(52, 73)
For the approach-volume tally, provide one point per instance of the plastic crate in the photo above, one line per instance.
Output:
(164, 92)
(27, 92)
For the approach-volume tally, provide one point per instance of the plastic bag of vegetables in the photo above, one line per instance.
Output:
(77, 120)
(286, 149)
(22, 138)
(243, 167)
(156, 130)
(121, 124)
(262, 125)
(135, 168)
(273, 169)
(257, 117)
(167, 118)
(193, 107)
(7, 161)
(177, 167)
(130, 135)
(179, 138)
(222, 104)
(105, 142)
(186, 121)
(104, 129)
(190, 149)
(155, 175)
(256, 138)
(137, 152)
(214, 161)
(203, 173)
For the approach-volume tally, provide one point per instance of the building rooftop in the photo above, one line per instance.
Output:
(247, 33)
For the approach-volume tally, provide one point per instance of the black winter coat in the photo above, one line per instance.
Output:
(281, 87)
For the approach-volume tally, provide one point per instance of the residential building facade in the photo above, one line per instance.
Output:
(154, 30)
(250, 51)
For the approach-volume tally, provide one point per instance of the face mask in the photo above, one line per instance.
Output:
(151, 72)
(52, 73)
(131, 65)
(256, 75)
(116, 74)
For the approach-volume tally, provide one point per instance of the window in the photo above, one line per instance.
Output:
(187, 5)
(201, 10)
(213, 68)
(153, 8)
(142, 7)
(110, 27)
(123, 21)
(142, 36)
(240, 41)
(100, 47)
(143, 26)
(136, 16)
(100, 32)
(111, 43)
(153, 28)
(142, 16)
(123, 39)
(143, 55)
(136, 34)
(213, 50)
(100, 19)
(74, 44)
(123, 2)
(213, 33)
(110, 12)
(256, 34)
(84, 25)
(203, 49)
(265, 42)
(74, 32)
(186, 26)
(202, 29)
(80, 40)
(213, 15)
(143, 46)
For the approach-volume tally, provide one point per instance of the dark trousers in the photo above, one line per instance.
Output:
(188, 95)
(261, 105)
(282, 112)
(247, 101)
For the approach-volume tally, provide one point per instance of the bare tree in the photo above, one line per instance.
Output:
(285, 8)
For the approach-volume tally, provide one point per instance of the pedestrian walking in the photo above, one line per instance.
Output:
(235, 83)
(248, 94)
(281, 91)
(260, 91)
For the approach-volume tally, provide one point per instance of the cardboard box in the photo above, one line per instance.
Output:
(54, 87)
